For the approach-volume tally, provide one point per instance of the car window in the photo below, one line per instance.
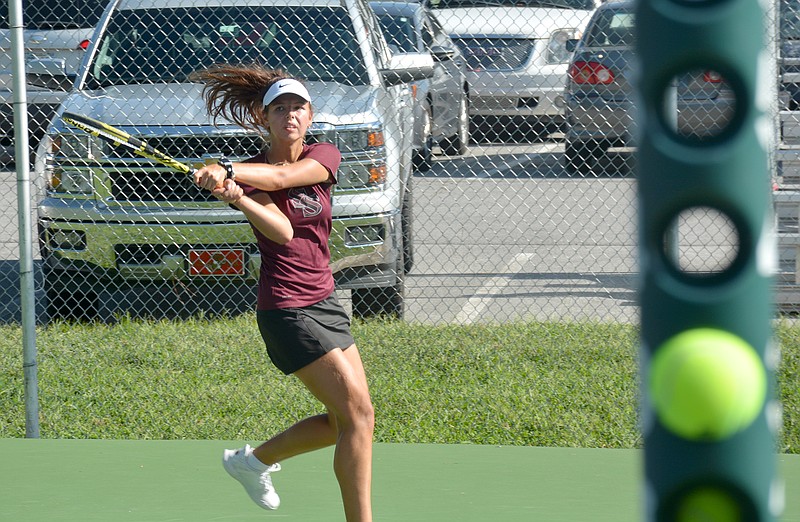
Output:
(166, 45)
(612, 27)
(58, 14)
(566, 4)
(399, 32)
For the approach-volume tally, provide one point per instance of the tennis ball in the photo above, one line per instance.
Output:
(706, 384)
(708, 504)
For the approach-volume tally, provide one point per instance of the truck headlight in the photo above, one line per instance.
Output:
(77, 146)
(557, 45)
(71, 181)
(360, 138)
(357, 176)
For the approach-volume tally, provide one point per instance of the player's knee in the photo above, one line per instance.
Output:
(361, 414)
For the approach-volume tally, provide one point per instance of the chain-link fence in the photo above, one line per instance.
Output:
(500, 188)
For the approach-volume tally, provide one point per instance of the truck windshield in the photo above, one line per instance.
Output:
(166, 45)
(399, 31)
(565, 4)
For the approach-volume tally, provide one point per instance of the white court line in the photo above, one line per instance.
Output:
(476, 304)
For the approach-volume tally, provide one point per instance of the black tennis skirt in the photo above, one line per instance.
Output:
(296, 337)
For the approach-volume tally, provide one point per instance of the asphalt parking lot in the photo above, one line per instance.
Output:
(499, 235)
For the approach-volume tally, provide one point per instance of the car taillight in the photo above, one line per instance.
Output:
(593, 73)
(83, 45)
(712, 77)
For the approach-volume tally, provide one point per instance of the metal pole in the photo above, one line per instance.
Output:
(22, 158)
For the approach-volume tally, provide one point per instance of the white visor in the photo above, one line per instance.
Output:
(285, 86)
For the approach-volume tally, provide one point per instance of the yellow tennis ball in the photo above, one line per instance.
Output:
(706, 384)
(708, 504)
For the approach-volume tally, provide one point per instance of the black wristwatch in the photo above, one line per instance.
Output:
(226, 164)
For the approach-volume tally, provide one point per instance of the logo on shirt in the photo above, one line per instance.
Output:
(305, 200)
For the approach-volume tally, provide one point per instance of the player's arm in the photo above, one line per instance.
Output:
(259, 210)
(266, 176)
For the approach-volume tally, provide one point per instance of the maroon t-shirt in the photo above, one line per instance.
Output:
(298, 273)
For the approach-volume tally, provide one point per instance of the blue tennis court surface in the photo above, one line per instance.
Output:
(183, 481)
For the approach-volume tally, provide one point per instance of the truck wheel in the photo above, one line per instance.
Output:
(457, 144)
(69, 296)
(406, 226)
(423, 158)
(382, 301)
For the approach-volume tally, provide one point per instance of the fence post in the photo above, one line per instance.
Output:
(709, 419)
(22, 160)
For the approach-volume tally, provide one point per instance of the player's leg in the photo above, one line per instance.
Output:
(339, 382)
(309, 434)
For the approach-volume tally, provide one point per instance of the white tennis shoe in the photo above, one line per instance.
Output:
(258, 484)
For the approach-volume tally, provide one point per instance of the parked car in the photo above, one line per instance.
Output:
(516, 55)
(59, 30)
(789, 54)
(113, 220)
(600, 97)
(440, 103)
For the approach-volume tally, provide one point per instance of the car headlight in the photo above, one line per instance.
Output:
(557, 45)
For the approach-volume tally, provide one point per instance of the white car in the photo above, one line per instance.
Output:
(516, 54)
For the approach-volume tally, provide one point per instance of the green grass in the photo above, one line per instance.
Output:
(537, 384)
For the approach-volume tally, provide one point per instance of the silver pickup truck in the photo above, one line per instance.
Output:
(112, 222)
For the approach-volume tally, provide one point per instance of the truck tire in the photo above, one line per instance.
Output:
(69, 296)
(423, 158)
(386, 301)
(407, 228)
(458, 143)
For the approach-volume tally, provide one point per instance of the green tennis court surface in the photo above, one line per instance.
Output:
(173, 481)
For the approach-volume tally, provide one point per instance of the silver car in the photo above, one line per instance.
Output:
(440, 103)
(59, 30)
(516, 55)
(599, 95)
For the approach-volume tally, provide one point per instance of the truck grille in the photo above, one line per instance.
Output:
(149, 185)
(141, 182)
(190, 148)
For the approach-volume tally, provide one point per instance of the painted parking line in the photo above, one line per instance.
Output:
(476, 304)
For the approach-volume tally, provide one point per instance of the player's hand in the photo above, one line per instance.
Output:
(230, 192)
(211, 177)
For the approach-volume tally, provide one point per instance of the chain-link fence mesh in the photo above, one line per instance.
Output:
(500, 189)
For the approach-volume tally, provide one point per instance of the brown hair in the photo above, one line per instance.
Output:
(236, 92)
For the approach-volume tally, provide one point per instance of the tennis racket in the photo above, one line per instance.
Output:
(119, 138)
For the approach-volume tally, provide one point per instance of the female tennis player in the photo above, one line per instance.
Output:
(285, 192)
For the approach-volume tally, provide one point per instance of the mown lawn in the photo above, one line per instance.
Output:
(536, 384)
